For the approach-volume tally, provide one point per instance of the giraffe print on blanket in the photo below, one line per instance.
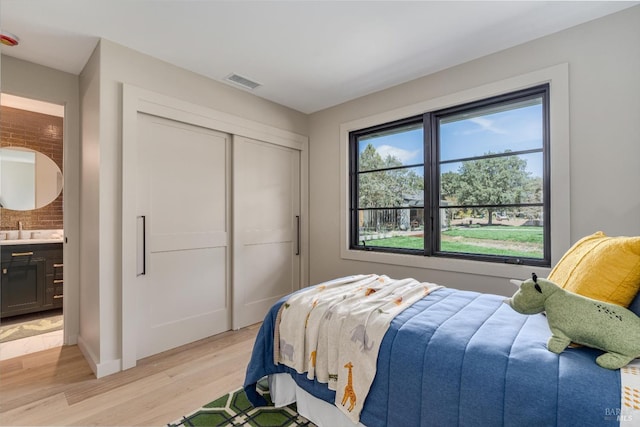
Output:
(306, 321)
(349, 393)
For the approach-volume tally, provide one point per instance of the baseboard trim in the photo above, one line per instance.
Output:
(99, 369)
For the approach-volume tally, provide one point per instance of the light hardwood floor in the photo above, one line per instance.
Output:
(56, 386)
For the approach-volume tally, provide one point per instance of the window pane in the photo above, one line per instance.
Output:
(493, 181)
(507, 127)
(391, 228)
(391, 188)
(516, 232)
(391, 148)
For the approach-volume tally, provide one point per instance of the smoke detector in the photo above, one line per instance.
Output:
(241, 81)
(9, 39)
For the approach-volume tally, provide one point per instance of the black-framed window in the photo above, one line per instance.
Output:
(470, 181)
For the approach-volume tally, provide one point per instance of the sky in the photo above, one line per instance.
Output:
(515, 129)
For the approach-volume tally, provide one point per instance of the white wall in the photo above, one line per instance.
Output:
(102, 79)
(33, 81)
(89, 341)
(604, 90)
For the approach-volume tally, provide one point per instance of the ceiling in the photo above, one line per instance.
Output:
(307, 55)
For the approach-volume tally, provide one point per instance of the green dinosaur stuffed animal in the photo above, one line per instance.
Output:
(582, 320)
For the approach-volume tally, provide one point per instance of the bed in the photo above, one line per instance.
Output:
(455, 357)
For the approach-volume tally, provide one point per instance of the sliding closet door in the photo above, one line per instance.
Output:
(266, 226)
(183, 254)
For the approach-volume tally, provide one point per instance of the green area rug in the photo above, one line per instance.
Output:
(28, 325)
(234, 409)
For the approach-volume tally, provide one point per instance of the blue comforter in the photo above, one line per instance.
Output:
(465, 358)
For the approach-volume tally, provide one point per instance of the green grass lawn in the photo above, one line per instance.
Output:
(493, 235)
(500, 232)
(484, 250)
(404, 242)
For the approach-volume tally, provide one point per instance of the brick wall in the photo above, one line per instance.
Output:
(39, 132)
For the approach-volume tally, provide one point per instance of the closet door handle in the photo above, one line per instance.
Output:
(142, 246)
(298, 234)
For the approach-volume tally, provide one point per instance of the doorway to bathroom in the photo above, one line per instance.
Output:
(31, 226)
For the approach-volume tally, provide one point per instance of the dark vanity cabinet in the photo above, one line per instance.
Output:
(31, 278)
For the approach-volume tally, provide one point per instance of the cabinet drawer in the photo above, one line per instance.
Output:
(57, 271)
(58, 290)
(54, 290)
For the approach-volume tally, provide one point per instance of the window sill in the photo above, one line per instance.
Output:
(492, 269)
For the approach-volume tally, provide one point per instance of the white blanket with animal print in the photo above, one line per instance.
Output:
(629, 412)
(333, 331)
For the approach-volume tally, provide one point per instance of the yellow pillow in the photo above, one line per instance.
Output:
(602, 268)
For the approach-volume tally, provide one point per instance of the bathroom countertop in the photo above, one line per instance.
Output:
(30, 237)
(29, 241)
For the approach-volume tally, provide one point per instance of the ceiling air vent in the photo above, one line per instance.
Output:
(242, 81)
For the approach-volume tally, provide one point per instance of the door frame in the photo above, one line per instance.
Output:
(137, 100)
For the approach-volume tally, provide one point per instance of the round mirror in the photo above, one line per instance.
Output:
(28, 179)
